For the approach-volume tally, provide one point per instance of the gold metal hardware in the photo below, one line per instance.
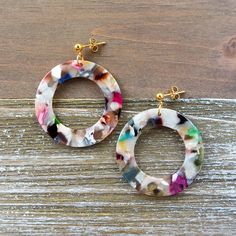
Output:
(174, 94)
(93, 45)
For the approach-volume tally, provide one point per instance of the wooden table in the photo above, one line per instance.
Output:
(49, 189)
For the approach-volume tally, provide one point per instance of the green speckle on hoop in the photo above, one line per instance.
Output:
(56, 120)
(193, 131)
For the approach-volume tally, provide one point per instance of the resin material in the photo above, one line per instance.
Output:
(51, 124)
(171, 184)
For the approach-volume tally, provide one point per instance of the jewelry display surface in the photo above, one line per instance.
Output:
(61, 188)
(52, 189)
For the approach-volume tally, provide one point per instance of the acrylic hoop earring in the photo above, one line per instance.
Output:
(78, 69)
(172, 184)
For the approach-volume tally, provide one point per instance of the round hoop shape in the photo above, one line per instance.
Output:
(171, 184)
(51, 124)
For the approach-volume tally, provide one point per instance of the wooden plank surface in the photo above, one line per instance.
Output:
(151, 44)
(49, 189)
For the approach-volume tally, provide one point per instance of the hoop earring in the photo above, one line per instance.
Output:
(194, 152)
(76, 69)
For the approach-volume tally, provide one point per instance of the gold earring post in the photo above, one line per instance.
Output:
(93, 45)
(174, 94)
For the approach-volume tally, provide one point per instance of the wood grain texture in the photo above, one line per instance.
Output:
(49, 189)
(151, 44)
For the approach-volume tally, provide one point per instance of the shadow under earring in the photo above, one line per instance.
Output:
(194, 152)
(79, 68)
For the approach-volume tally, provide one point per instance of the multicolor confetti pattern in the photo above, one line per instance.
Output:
(52, 125)
(171, 184)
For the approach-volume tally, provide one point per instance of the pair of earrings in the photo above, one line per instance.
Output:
(125, 157)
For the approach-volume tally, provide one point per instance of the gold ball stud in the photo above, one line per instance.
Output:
(78, 47)
(160, 96)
